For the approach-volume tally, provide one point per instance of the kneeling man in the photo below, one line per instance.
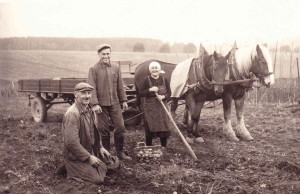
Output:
(82, 146)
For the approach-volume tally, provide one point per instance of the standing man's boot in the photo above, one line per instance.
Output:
(119, 143)
(148, 141)
(106, 142)
(123, 155)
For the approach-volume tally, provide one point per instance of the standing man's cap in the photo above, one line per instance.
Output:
(82, 86)
(103, 46)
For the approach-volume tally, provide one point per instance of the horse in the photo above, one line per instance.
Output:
(245, 62)
(214, 68)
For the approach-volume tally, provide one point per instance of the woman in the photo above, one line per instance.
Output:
(156, 119)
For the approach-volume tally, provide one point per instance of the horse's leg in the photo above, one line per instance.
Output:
(194, 109)
(228, 131)
(189, 106)
(174, 105)
(241, 128)
(195, 116)
(185, 120)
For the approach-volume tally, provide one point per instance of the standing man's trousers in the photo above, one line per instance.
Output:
(112, 115)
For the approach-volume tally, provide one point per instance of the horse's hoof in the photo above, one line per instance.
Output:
(190, 140)
(233, 138)
(199, 140)
(248, 138)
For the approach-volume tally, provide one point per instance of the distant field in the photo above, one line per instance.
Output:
(15, 65)
(286, 65)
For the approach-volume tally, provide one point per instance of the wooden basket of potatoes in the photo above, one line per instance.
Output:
(148, 154)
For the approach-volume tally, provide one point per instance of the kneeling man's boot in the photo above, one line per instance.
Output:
(61, 170)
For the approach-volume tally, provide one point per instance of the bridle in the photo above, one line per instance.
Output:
(252, 77)
(261, 76)
(203, 83)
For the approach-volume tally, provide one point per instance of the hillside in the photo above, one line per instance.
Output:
(125, 44)
(16, 65)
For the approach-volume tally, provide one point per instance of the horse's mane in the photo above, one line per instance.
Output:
(206, 64)
(268, 58)
(245, 55)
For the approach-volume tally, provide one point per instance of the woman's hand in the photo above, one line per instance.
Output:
(161, 97)
(153, 89)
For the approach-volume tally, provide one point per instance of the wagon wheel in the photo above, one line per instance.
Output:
(132, 117)
(39, 109)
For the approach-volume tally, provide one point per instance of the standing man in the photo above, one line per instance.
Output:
(109, 92)
(82, 145)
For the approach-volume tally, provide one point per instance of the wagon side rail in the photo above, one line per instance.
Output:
(56, 85)
(44, 93)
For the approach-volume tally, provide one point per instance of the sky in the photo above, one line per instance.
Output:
(196, 21)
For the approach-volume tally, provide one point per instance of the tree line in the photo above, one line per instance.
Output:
(90, 44)
(286, 49)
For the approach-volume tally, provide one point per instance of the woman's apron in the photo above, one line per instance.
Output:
(154, 113)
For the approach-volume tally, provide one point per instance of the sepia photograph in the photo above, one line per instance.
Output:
(149, 96)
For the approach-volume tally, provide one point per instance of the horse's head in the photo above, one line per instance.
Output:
(262, 66)
(219, 71)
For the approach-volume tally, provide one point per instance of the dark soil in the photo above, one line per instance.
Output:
(31, 152)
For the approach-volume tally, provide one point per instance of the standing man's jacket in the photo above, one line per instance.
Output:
(108, 83)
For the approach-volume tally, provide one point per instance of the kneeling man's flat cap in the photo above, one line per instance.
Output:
(82, 86)
(103, 46)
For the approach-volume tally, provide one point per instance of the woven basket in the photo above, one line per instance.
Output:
(148, 154)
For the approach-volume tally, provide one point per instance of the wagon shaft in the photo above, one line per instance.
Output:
(235, 82)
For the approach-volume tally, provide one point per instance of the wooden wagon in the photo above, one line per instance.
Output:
(44, 93)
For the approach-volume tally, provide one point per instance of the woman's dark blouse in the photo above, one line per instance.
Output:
(144, 90)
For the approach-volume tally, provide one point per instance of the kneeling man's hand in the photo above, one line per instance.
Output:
(94, 161)
(104, 153)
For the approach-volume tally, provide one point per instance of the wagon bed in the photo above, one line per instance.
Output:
(44, 93)
(55, 85)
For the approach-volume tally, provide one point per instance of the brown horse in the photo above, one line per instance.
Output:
(200, 78)
(245, 62)
(248, 60)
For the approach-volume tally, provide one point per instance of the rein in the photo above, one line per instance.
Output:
(230, 82)
(238, 79)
